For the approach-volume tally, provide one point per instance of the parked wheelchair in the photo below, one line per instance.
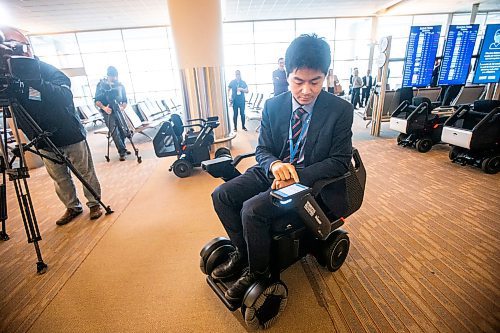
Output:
(474, 135)
(190, 143)
(318, 233)
(418, 126)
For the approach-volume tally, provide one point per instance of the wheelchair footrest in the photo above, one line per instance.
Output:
(220, 287)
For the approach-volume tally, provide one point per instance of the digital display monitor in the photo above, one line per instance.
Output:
(488, 67)
(457, 54)
(420, 55)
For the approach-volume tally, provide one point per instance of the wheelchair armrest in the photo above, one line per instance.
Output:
(238, 158)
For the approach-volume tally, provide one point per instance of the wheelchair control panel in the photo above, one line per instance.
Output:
(299, 196)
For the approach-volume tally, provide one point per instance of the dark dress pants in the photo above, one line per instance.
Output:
(245, 208)
(366, 95)
(355, 98)
(239, 105)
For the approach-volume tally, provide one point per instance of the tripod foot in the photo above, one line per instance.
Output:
(139, 159)
(41, 267)
(107, 158)
(4, 236)
(108, 210)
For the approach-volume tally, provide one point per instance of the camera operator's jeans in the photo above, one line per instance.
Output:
(79, 155)
(116, 132)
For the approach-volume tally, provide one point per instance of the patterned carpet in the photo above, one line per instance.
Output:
(423, 257)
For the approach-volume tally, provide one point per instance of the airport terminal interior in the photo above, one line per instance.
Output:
(416, 250)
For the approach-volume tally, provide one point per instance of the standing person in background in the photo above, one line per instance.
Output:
(237, 89)
(330, 82)
(110, 92)
(435, 72)
(367, 87)
(279, 78)
(357, 83)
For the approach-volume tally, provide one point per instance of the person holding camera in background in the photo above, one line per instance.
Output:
(111, 98)
(49, 101)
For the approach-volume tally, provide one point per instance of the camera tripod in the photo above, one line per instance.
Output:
(10, 107)
(121, 127)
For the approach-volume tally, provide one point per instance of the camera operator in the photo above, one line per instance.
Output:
(111, 98)
(49, 101)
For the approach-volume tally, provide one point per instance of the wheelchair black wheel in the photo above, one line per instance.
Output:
(182, 168)
(491, 165)
(336, 251)
(453, 153)
(424, 145)
(401, 137)
(263, 303)
(222, 151)
(215, 253)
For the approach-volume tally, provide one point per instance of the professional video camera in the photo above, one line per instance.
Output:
(15, 68)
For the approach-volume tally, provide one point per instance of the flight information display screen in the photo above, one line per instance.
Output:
(420, 55)
(488, 67)
(457, 54)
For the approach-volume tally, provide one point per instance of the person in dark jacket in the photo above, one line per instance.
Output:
(305, 136)
(111, 99)
(236, 90)
(279, 78)
(49, 101)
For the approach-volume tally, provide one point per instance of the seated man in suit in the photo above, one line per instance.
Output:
(305, 136)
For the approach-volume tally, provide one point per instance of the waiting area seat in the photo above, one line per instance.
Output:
(89, 114)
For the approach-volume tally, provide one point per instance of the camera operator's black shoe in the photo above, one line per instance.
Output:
(236, 292)
(128, 152)
(231, 268)
(122, 158)
(69, 215)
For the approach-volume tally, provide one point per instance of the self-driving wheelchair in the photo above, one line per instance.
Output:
(418, 126)
(191, 148)
(474, 135)
(317, 232)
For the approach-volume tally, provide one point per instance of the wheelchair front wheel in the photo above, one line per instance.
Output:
(336, 251)
(424, 145)
(222, 151)
(215, 253)
(263, 303)
(401, 137)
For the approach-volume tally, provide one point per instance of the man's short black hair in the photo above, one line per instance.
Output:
(308, 51)
(112, 71)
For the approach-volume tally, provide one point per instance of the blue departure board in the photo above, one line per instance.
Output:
(457, 54)
(488, 68)
(420, 56)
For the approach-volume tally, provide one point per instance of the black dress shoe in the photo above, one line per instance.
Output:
(69, 215)
(231, 268)
(128, 152)
(236, 292)
(245, 129)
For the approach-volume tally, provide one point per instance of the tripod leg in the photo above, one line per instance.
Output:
(3, 210)
(22, 113)
(136, 150)
(29, 220)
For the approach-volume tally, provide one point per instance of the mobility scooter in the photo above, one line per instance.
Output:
(474, 135)
(310, 229)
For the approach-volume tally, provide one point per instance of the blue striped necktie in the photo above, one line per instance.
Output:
(296, 129)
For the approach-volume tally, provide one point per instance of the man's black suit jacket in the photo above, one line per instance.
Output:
(328, 147)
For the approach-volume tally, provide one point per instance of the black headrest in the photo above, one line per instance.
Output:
(177, 124)
(420, 99)
(406, 94)
(486, 105)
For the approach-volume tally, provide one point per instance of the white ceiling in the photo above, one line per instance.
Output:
(46, 16)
